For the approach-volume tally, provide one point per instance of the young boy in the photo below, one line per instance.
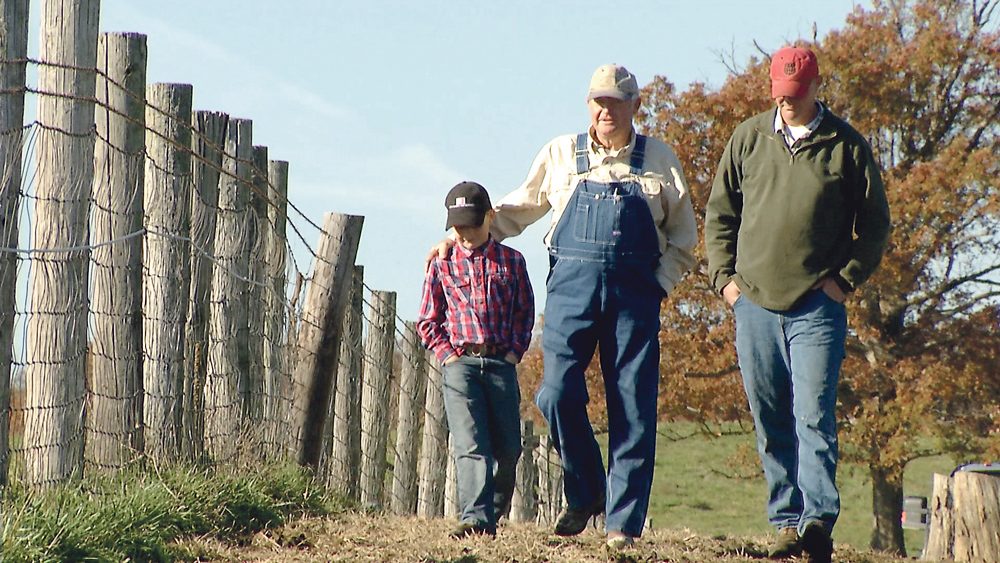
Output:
(476, 315)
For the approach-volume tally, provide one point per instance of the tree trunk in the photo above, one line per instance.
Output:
(887, 508)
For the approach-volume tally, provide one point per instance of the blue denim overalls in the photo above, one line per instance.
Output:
(602, 291)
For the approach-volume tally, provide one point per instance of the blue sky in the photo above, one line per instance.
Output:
(380, 107)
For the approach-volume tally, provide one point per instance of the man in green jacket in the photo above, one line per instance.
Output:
(796, 220)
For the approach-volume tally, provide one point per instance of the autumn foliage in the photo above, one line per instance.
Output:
(920, 79)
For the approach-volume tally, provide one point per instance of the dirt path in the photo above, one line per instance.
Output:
(355, 537)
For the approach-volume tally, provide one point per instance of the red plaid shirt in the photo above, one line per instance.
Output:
(477, 296)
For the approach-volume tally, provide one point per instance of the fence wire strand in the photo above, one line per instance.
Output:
(232, 398)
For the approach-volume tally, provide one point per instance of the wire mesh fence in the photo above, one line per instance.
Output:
(152, 310)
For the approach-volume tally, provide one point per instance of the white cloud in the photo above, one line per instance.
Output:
(420, 161)
(246, 84)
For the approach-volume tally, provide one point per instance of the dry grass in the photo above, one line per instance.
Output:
(352, 537)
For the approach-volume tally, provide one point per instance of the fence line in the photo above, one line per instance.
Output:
(195, 347)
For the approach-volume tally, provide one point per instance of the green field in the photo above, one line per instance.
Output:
(698, 486)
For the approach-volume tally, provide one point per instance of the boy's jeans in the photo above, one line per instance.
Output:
(790, 362)
(482, 402)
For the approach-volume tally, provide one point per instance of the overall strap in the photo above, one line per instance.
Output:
(582, 159)
(638, 154)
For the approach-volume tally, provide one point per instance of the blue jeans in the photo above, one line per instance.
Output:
(482, 402)
(591, 304)
(790, 362)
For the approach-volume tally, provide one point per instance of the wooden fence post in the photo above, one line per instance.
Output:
(379, 348)
(166, 272)
(964, 518)
(227, 343)
(524, 505)
(319, 333)
(550, 490)
(13, 55)
(344, 461)
(14, 50)
(277, 381)
(256, 229)
(207, 142)
(114, 412)
(57, 322)
(433, 446)
(940, 520)
(412, 393)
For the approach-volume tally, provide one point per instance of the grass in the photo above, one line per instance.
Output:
(710, 485)
(138, 517)
(713, 486)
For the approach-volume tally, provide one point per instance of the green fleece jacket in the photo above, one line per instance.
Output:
(778, 220)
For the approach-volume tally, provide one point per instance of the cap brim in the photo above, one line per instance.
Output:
(616, 94)
(464, 218)
(788, 88)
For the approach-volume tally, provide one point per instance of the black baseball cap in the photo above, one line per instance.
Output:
(467, 205)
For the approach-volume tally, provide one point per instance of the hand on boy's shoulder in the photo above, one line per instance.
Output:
(439, 250)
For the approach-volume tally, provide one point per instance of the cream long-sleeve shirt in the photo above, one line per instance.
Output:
(553, 179)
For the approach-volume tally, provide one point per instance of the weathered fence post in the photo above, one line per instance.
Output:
(207, 142)
(277, 381)
(344, 462)
(57, 323)
(319, 334)
(167, 264)
(550, 490)
(433, 447)
(256, 229)
(114, 412)
(412, 393)
(13, 55)
(227, 341)
(940, 520)
(451, 507)
(524, 505)
(379, 348)
(964, 518)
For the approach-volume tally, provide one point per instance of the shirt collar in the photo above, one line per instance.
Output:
(598, 148)
(484, 249)
(779, 124)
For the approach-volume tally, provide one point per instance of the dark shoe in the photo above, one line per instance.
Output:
(788, 544)
(816, 543)
(464, 529)
(572, 521)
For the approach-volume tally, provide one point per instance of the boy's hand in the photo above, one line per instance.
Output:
(450, 359)
(440, 250)
(511, 357)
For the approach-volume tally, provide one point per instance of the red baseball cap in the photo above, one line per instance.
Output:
(792, 71)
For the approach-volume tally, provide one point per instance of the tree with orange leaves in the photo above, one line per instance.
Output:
(921, 80)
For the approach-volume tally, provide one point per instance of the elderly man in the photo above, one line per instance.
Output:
(797, 218)
(621, 237)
